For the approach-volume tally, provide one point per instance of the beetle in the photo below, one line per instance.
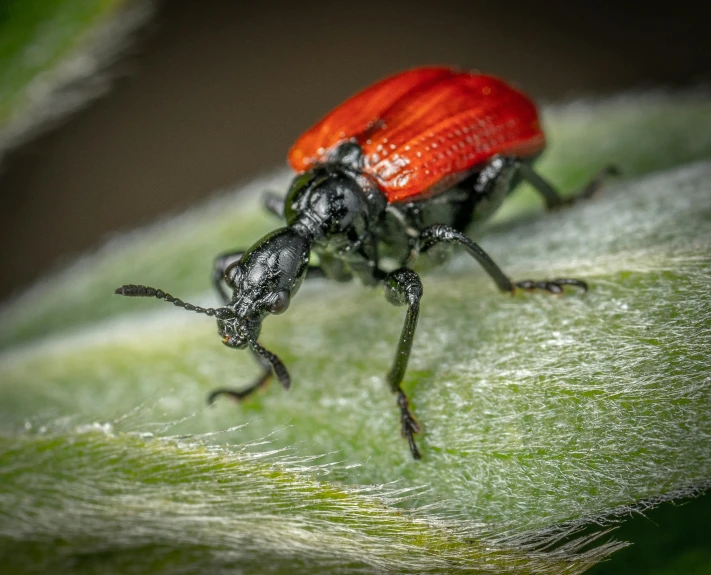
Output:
(404, 165)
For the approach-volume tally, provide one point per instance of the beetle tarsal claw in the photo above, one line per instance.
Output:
(552, 286)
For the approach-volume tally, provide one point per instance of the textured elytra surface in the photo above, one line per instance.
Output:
(536, 410)
(424, 128)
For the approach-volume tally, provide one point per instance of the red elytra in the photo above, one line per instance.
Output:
(424, 130)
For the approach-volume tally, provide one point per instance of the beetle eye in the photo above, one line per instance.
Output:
(231, 273)
(280, 302)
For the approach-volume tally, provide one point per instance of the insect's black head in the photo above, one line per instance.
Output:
(263, 282)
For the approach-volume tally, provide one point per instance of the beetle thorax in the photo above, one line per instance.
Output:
(334, 200)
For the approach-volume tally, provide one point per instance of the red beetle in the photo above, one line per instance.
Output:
(406, 164)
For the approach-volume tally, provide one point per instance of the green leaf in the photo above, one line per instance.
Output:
(540, 413)
(89, 501)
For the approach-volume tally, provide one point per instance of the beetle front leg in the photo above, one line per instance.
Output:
(552, 196)
(239, 395)
(403, 287)
(440, 233)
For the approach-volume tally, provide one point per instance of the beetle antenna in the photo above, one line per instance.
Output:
(277, 365)
(131, 290)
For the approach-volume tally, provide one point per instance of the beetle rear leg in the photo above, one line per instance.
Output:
(403, 287)
(440, 233)
(240, 394)
(553, 198)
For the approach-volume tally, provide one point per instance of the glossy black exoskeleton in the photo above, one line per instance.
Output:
(337, 212)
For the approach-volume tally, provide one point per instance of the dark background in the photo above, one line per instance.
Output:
(215, 91)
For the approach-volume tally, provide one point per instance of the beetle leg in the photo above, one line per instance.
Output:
(403, 287)
(222, 262)
(273, 203)
(552, 196)
(439, 233)
(239, 395)
(553, 286)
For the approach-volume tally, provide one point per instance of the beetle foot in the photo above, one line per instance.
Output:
(552, 286)
(233, 394)
(410, 426)
(597, 182)
(239, 394)
(592, 187)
